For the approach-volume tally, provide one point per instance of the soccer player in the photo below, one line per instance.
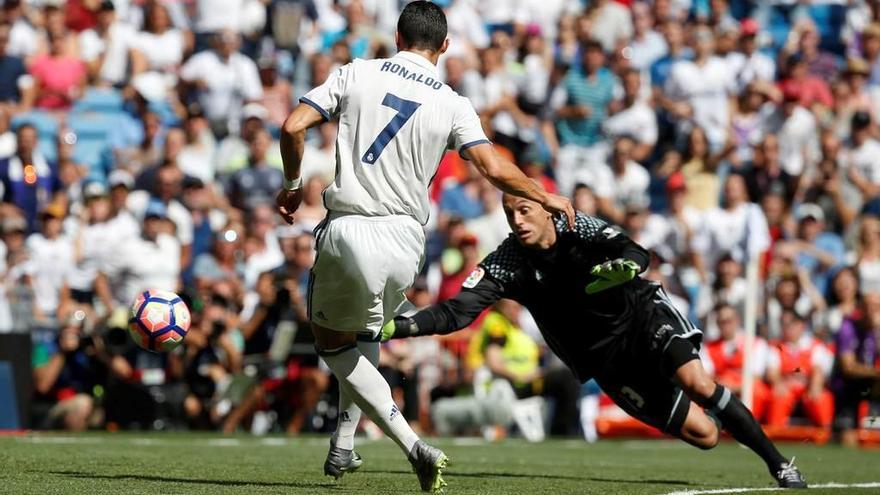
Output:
(396, 120)
(597, 315)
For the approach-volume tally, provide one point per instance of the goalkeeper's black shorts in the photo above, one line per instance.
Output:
(639, 374)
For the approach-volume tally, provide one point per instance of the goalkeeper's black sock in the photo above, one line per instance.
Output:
(739, 422)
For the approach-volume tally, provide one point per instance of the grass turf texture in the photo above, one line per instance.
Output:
(173, 463)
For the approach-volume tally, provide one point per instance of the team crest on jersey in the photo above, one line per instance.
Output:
(474, 278)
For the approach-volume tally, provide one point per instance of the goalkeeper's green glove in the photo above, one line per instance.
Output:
(399, 327)
(613, 273)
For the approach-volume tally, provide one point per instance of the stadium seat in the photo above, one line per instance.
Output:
(45, 123)
(9, 419)
(101, 100)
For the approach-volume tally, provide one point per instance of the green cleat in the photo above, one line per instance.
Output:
(341, 461)
(428, 463)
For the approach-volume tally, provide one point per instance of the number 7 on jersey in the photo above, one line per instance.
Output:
(405, 110)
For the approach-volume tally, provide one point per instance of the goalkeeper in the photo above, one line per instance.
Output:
(600, 318)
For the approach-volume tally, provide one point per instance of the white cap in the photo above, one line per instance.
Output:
(150, 85)
(120, 177)
(254, 111)
(809, 210)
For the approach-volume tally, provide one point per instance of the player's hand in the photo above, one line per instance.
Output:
(399, 327)
(612, 273)
(287, 203)
(560, 204)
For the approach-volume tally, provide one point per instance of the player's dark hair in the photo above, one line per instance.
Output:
(422, 26)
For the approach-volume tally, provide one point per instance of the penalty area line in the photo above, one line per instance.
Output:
(719, 491)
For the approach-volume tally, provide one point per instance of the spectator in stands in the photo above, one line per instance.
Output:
(168, 186)
(261, 249)
(738, 228)
(629, 179)
(633, 117)
(7, 137)
(648, 45)
(750, 64)
(699, 90)
(581, 102)
(861, 164)
(868, 250)
(64, 373)
(110, 49)
(131, 274)
(222, 264)
(161, 43)
(259, 182)
(699, 165)
(276, 93)
(58, 76)
(146, 153)
(611, 23)
(29, 180)
(223, 80)
(818, 251)
(16, 86)
(766, 173)
(815, 93)
(857, 368)
(796, 130)
(196, 156)
(50, 255)
(725, 358)
(843, 302)
(23, 36)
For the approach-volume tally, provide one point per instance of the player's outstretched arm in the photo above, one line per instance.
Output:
(449, 316)
(510, 179)
(293, 139)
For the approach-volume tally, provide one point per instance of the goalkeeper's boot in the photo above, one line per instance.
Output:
(340, 461)
(428, 463)
(789, 476)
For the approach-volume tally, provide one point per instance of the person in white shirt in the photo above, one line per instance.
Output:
(633, 117)
(169, 181)
(611, 23)
(396, 121)
(739, 228)
(860, 156)
(111, 48)
(749, 64)
(630, 180)
(148, 261)
(701, 87)
(50, 259)
(162, 44)
(797, 131)
(224, 80)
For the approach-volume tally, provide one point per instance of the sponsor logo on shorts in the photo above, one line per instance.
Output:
(474, 278)
(320, 315)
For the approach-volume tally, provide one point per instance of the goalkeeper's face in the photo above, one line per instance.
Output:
(532, 224)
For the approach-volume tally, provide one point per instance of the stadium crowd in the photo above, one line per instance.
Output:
(138, 149)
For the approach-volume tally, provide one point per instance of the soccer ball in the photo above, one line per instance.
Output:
(159, 320)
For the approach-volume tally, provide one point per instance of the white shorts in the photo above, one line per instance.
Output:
(362, 269)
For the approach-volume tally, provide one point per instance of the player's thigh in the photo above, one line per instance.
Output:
(647, 396)
(667, 340)
(346, 281)
(405, 259)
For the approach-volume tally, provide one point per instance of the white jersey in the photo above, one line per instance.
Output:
(396, 120)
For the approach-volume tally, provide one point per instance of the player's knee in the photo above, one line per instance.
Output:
(703, 434)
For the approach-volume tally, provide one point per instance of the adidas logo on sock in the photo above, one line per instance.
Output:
(344, 417)
(394, 412)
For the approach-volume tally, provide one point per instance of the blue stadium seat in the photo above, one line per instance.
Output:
(45, 123)
(90, 152)
(102, 100)
(90, 125)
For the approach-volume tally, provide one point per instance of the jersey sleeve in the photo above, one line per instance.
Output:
(467, 131)
(490, 281)
(327, 98)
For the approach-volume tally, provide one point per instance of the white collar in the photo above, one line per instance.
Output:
(418, 60)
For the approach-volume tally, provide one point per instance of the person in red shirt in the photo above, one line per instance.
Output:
(458, 262)
(726, 356)
(798, 368)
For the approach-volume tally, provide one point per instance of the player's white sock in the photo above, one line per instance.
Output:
(349, 412)
(369, 390)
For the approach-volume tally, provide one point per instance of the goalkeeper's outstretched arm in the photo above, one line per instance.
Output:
(448, 316)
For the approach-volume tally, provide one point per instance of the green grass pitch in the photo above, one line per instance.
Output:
(172, 463)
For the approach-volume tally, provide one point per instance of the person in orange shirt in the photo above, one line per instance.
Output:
(724, 358)
(798, 368)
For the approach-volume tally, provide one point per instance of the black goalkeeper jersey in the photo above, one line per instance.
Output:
(582, 329)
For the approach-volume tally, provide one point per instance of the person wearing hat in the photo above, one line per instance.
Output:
(856, 75)
(870, 42)
(51, 258)
(29, 180)
(110, 48)
(750, 64)
(223, 81)
(151, 260)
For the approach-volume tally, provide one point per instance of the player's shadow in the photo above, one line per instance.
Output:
(497, 474)
(194, 481)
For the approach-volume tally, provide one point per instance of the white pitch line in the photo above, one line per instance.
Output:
(746, 490)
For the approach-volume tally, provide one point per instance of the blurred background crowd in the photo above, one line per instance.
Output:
(138, 149)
